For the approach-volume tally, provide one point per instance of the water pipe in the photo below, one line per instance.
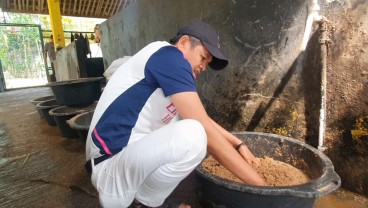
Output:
(313, 16)
(322, 115)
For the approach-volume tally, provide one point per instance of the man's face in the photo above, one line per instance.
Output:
(197, 56)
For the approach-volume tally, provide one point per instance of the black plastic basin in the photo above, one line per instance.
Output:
(41, 99)
(63, 113)
(44, 108)
(219, 192)
(76, 92)
(81, 123)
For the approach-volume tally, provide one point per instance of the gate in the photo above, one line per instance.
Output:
(21, 54)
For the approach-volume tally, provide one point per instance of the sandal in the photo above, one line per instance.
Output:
(173, 205)
(136, 204)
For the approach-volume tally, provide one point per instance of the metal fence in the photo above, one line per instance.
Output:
(21, 54)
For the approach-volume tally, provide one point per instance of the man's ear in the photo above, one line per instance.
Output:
(183, 41)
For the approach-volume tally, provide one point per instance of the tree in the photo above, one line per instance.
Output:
(21, 47)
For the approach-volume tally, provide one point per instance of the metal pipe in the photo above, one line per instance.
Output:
(313, 16)
(322, 115)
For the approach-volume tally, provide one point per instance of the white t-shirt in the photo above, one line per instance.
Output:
(136, 100)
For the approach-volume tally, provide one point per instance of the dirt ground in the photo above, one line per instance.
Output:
(40, 168)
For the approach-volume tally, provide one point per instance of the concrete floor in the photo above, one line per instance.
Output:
(40, 168)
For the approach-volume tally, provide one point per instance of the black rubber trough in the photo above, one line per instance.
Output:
(44, 108)
(81, 123)
(63, 113)
(219, 192)
(41, 99)
(76, 92)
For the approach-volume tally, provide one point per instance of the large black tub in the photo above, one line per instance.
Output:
(44, 108)
(63, 113)
(41, 99)
(218, 192)
(81, 123)
(75, 92)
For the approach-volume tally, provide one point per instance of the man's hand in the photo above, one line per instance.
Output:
(219, 141)
(248, 156)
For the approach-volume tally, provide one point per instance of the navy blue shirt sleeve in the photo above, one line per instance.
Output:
(168, 69)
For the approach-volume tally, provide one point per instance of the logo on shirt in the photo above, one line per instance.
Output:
(171, 113)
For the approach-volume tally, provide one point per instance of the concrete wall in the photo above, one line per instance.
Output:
(260, 38)
(269, 85)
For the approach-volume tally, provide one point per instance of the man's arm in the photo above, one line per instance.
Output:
(243, 149)
(190, 106)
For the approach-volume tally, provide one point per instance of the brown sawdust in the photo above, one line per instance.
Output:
(274, 172)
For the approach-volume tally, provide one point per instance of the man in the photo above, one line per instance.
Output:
(50, 52)
(150, 129)
(97, 33)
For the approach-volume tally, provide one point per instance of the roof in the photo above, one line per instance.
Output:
(79, 8)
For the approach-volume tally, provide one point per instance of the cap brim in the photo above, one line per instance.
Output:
(219, 61)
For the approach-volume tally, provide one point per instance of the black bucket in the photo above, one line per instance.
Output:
(63, 113)
(44, 108)
(76, 92)
(81, 123)
(41, 99)
(219, 192)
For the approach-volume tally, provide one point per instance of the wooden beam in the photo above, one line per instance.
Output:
(88, 6)
(33, 5)
(80, 6)
(84, 6)
(75, 6)
(98, 8)
(27, 3)
(42, 2)
(39, 5)
(94, 7)
(19, 5)
(118, 6)
(111, 7)
(64, 6)
(111, 4)
(115, 7)
(69, 4)
(105, 8)
(25, 12)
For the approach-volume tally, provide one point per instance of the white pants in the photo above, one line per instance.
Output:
(151, 168)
